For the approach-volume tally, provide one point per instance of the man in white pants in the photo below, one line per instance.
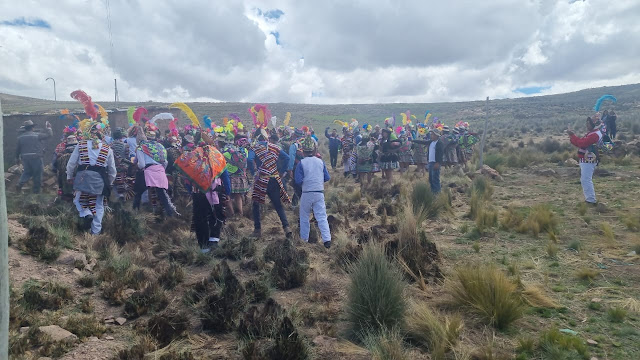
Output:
(588, 155)
(311, 173)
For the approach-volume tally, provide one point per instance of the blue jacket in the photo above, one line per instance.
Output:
(334, 142)
(226, 182)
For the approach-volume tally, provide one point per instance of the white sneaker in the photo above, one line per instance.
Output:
(205, 251)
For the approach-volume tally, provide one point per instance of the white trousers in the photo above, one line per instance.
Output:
(313, 201)
(586, 179)
(96, 224)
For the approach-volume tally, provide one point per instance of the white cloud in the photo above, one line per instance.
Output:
(327, 52)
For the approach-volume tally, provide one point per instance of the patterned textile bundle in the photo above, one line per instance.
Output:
(202, 166)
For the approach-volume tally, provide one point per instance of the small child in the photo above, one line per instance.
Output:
(311, 173)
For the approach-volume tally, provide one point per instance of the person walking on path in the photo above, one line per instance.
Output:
(334, 146)
(588, 155)
(96, 167)
(436, 152)
(311, 173)
(30, 151)
(267, 181)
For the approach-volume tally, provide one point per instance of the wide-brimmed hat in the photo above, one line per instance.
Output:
(445, 129)
(27, 123)
(71, 140)
(436, 132)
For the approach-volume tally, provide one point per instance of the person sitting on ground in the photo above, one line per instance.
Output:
(311, 173)
(588, 155)
(29, 151)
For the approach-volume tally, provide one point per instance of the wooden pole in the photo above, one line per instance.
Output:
(4, 256)
(484, 134)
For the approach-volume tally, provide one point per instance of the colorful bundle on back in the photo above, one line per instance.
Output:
(187, 110)
(85, 99)
(261, 115)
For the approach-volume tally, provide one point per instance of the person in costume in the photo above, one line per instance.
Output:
(152, 160)
(366, 164)
(435, 155)
(588, 155)
(235, 152)
(347, 149)
(267, 181)
(420, 157)
(29, 152)
(61, 147)
(450, 152)
(96, 171)
(405, 155)
(389, 157)
(177, 188)
(121, 155)
(311, 174)
(65, 189)
(610, 124)
(334, 146)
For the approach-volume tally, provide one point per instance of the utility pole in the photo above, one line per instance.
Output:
(55, 97)
(484, 134)
(4, 256)
(115, 86)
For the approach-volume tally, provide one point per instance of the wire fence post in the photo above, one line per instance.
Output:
(4, 256)
(484, 135)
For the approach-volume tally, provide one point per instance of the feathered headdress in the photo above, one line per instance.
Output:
(602, 99)
(130, 112)
(187, 110)
(85, 99)
(137, 114)
(173, 127)
(208, 123)
(354, 124)
(261, 115)
(287, 119)
(342, 123)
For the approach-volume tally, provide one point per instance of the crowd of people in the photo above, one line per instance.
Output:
(220, 168)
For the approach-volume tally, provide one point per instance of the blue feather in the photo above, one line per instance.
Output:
(427, 113)
(207, 121)
(602, 99)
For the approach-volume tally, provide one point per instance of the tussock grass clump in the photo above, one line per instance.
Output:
(44, 296)
(435, 332)
(427, 204)
(344, 249)
(220, 309)
(587, 275)
(84, 326)
(483, 187)
(375, 295)
(535, 296)
(486, 218)
(540, 219)
(168, 326)
(616, 314)
(123, 225)
(511, 218)
(582, 208)
(607, 232)
(258, 290)
(41, 242)
(87, 281)
(386, 345)
(552, 250)
(151, 298)
(575, 245)
(632, 222)
(556, 345)
(142, 346)
(261, 323)
(290, 266)
(171, 276)
(233, 249)
(488, 292)
(289, 343)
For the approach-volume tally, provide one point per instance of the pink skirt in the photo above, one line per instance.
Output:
(154, 176)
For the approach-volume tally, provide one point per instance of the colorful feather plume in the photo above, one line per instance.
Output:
(287, 118)
(405, 121)
(187, 110)
(305, 130)
(602, 99)
(130, 112)
(399, 130)
(101, 111)
(208, 124)
(64, 111)
(426, 119)
(342, 123)
(85, 100)
(426, 114)
(235, 117)
(137, 115)
(261, 115)
(173, 127)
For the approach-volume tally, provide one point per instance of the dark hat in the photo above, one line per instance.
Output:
(27, 123)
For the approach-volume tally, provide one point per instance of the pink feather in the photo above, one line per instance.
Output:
(138, 113)
(85, 99)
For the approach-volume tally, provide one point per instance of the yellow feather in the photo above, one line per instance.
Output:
(287, 119)
(187, 110)
(103, 112)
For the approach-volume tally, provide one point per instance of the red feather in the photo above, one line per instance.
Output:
(85, 99)
(138, 113)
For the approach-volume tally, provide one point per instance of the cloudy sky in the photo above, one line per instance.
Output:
(307, 51)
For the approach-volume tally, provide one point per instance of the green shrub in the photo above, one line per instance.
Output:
(540, 219)
(488, 292)
(123, 225)
(386, 345)
(375, 299)
(483, 187)
(171, 276)
(47, 296)
(427, 204)
(607, 232)
(616, 314)
(556, 345)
